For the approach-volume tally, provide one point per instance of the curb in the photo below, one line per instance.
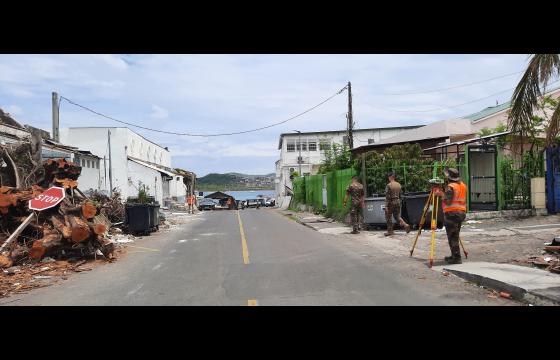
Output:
(536, 297)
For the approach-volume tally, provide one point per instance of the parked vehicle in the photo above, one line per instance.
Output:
(253, 203)
(269, 202)
(206, 204)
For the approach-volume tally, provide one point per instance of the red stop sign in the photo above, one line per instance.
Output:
(47, 199)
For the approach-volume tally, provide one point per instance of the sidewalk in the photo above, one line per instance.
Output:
(506, 240)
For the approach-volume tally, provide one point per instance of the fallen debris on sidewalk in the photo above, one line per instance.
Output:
(67, 230)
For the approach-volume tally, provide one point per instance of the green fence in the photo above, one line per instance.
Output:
(309, 190)
(314, 191)
(337, 183)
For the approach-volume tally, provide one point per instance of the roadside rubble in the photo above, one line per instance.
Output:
(38, 245)
(550, 260)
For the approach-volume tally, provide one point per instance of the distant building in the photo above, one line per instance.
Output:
(313, 147)
(135, 160)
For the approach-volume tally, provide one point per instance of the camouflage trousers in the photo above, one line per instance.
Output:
(393, 210)
(355, 216)
(453, 221)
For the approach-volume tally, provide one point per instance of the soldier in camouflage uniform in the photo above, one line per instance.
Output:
(357, 194)
(393, 205)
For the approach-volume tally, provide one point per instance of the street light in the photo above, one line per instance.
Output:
(299, 158)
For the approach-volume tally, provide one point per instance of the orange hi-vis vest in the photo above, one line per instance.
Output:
(459, 198)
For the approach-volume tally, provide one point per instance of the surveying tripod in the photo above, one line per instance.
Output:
(433, 200)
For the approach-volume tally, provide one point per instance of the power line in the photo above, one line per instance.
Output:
(205, 135)
(452, 106)
(450, 87)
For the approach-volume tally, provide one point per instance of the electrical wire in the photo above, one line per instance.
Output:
(452, 106)
(205, 135)
(450, 87)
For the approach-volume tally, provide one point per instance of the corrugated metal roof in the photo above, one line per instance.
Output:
(495, 109)
(161, 169)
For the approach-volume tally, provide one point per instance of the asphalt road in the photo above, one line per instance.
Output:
(268, 260)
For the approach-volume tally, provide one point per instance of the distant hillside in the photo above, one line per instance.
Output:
(235, 181)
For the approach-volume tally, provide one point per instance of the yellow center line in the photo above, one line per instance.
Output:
(243, 241)
(252, 302)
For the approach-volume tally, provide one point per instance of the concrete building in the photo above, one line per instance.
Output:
(313, 147)
(135, 161)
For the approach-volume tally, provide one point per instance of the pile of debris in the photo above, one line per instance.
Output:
(70, 230)
(550, 260)
(111, 207)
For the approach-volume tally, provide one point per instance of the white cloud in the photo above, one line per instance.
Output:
(158, 112)
(227, 93)
(13, 110)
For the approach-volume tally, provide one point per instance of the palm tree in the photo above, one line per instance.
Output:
(542, 67)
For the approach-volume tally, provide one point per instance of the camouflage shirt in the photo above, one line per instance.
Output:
(393, 192)
(356, 193)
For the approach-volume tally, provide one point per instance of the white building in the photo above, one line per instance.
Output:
(313, 146)
(135, 161)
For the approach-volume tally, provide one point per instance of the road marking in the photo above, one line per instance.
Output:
(243, 241)
(252, 302)
(140, 247)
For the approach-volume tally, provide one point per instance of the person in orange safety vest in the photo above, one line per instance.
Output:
(454, 212)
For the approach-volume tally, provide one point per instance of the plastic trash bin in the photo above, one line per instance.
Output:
(374, 211)
(138, 218)
(154, 217)
(413, 205)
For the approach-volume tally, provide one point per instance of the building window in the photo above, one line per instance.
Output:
(83, 162)
(97, 164)
(312, 145)
(290, 146)
(324, 145)
(303, 145)
(87, 162)
(370, 141)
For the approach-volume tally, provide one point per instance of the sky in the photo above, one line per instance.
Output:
(207, 94)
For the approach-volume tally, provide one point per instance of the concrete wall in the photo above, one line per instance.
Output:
(91, 176)
(146, 176)
(141, 148)
(124, 142)
(177, 188)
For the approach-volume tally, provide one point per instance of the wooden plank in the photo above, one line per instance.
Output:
(18, 231)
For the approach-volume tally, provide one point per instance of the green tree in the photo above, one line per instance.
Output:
(541, 68)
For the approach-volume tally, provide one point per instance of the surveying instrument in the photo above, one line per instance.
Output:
(433, 204)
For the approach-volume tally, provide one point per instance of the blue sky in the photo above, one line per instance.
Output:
(226, 93)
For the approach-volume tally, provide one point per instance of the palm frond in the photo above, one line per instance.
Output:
(553, 127)
(527, 93)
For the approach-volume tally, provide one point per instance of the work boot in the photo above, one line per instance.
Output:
(389, 233)
(453, 260)
(355, 231)
(407, 228)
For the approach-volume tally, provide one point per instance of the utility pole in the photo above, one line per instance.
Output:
(299, 157)
(350, 118)
(105, 168)
(110, 164)
(55, 118)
